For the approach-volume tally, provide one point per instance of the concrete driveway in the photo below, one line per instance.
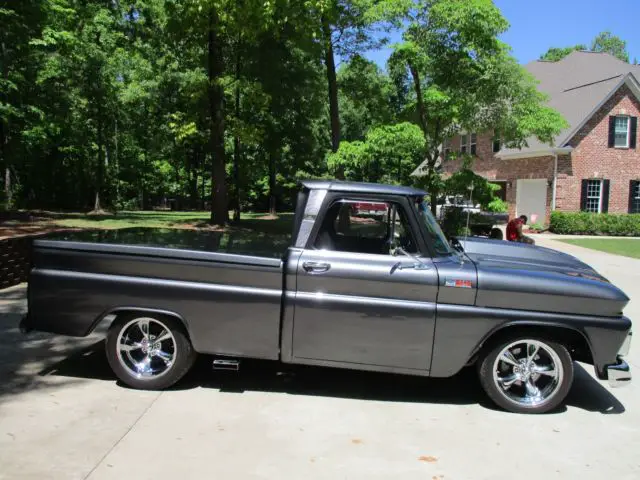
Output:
(63, 415)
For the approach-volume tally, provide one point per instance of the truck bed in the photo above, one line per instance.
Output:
(227, 286)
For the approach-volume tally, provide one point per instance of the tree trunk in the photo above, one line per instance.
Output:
(272, 182)
(193, 180)
(236, 178)
(116, 161)
(219, 202)
(329, 61)
(143, 184)
(7, 187)
(203, 160)
(4, 134)
(418, 88)
(97, 208)
(236, 141)
(422, 119)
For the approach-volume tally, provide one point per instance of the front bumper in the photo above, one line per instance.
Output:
(619, 374)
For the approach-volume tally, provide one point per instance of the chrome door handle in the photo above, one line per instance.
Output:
(316, 267)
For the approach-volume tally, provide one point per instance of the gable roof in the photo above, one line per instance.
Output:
(577, 86)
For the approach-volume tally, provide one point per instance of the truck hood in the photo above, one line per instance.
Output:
(520, 276)
(499, 253)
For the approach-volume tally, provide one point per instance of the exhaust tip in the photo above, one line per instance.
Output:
(224, 364)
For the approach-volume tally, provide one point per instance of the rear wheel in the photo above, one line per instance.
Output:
(527, 374)
(149, 352)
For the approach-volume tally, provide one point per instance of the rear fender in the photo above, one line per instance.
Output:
(122, 310)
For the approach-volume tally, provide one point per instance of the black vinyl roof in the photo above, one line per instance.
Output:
(359, 187)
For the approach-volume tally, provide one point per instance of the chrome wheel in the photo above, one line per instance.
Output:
(528, 373)
(146, 348)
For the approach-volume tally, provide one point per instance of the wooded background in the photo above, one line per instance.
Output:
(226, 104)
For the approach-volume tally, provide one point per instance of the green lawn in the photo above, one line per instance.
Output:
(629, 247)
(169, 219)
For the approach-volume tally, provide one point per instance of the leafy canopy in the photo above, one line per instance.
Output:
(389, 154)
(609, 43)
(462, 77)
(603, 42)
(555, 54)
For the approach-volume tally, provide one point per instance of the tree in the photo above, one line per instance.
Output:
(603, 42)
(459, 183)
(366, 96)
(555, 54)
(609, 43)
(214, 25)
(346, 28)
(21, 23)
(389, 154)
(463, 78)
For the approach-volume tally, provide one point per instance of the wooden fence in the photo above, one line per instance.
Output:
(15, 260)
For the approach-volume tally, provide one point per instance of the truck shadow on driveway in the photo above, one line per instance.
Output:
(267, 376)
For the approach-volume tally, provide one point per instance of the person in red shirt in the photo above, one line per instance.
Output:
(514, 230)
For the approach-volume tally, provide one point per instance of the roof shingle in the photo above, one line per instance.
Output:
(576, 85)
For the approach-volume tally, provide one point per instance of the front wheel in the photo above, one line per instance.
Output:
(527, 374)
(149, 352)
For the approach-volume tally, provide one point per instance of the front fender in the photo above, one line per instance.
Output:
(461, 331)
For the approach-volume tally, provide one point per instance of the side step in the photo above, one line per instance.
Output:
(224, 364)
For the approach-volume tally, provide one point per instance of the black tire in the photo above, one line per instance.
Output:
(183, 358)
(486, 372)
(496, 234)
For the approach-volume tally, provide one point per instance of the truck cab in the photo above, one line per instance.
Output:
(367, 280)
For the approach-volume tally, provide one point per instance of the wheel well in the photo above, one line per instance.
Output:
(107, 319)
(575, 342)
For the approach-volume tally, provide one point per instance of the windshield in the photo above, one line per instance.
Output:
(435, 235)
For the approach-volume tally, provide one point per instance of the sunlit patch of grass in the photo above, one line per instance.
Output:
(628, 247)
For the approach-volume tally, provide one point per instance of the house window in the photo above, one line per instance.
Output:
(593, 201)
(496, 145)
(621, 132)
(472, 146)
(447, 148)
(464, 141)
(634, 206)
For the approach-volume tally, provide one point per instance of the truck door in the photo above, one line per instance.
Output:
(356, 304)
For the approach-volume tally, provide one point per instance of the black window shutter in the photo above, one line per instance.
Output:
(605, 196)
(583, 195)
(634, 132)
(612, 131)
(632, 190)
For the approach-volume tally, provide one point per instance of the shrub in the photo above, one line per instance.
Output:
(454, 222)
(583, 223)
(538, 227)
(497, 205)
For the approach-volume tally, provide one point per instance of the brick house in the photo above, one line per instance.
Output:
(593, 166)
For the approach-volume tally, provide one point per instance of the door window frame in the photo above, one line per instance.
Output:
(423, 249)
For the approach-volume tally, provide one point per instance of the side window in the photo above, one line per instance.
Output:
(363, 220)
(364, 226)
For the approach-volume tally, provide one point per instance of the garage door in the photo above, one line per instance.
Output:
(531, 199)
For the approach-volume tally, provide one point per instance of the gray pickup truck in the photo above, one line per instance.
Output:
(381, 291)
